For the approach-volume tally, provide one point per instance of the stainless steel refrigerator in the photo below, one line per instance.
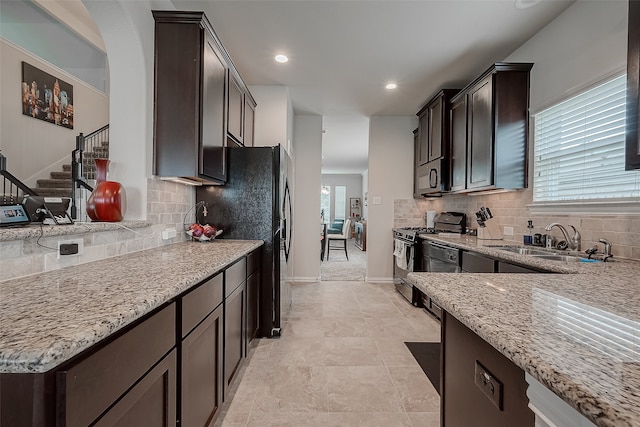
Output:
(256, 203)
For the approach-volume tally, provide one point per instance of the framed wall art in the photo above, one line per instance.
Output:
(46, 97)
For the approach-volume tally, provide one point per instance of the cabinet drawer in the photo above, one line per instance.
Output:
(473, 263)
(89, 387)
(198, 303)
(235, 276)
(505, 267)
(253, 262)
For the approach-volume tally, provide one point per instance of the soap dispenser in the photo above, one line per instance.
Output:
(528, 239)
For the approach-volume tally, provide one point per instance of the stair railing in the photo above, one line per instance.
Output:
(88, 148)
(13, 190)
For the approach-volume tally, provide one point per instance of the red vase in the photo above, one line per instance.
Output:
(108, 201)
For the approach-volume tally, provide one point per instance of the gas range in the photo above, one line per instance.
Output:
(410, 234)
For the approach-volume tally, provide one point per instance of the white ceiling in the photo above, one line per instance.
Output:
(342, 53)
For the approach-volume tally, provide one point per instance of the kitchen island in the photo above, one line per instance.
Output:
(55, 322)
(577, 334)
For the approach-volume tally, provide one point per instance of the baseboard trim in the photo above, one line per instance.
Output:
(306, 279)
(378, 279)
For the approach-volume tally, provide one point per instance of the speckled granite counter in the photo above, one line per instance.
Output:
(578, 334)
(50, 317)
(30, 231)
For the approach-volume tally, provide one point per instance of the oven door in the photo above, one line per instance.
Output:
(403, 264)
(403, 259)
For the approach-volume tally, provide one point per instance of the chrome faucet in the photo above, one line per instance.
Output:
(607, 249)
(574, 241)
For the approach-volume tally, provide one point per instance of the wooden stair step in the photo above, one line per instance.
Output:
(53, 183)
(61, 175)
(53, 192)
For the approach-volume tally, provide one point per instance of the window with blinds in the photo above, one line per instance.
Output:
(580, 148)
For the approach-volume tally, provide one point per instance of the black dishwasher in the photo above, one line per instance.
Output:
(437, 258)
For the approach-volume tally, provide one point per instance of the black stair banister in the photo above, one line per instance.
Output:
(88, 148)
(14, 184)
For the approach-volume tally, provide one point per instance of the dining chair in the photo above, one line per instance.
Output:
(342, 237)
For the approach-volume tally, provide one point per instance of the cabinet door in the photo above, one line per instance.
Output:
(459, 144)
(505, 267)
(253, 298)
(235, 105)
(234, 332)
(202, 371)
(480, 135)
(423, 137)
(632, 158)
(249, 117)
(476, 263)
(416, 163)
(213, 155)
(89, 387)
(151, 402)
(435, 130)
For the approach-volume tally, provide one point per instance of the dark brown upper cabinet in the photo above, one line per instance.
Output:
(432, 148)
(249, 118)
(458, 126)
(236, 107)
(199, 100)
(632, 160)
(416, 164)
(489, 130)
(433, 125)
(189, 107)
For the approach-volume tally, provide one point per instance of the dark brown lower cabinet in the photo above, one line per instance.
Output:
(505, 267)
(88, 388)
(234, 333)
(202, 371)
(151, 402)
(477, 263)
(253, 301)
(480, 386)
(143, 375)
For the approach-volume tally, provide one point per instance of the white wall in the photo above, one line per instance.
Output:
(272, 120)
(32, 145)
(585, 44)
(365, 191)
(354, 189)
(307, 139)
(390, 177)
(127, 29)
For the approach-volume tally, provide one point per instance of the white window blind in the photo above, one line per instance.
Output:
(580, 147)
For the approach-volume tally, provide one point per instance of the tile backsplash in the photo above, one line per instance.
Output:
(167, 205)
(510, 210)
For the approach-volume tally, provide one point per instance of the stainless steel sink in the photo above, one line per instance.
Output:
(522, 251)
(565, 258)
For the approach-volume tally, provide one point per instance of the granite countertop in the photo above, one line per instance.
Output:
(50, 317)
(578, 334)
(39, 230)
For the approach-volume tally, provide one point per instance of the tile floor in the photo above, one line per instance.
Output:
(341, 361)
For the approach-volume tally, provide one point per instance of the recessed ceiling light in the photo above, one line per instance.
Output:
(281, 58)
(525, 4)
(391, 86)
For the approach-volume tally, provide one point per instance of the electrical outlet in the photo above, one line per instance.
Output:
(377, 200)
(508, 231)
(169, 233)
(73, 247)
(489, 385)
